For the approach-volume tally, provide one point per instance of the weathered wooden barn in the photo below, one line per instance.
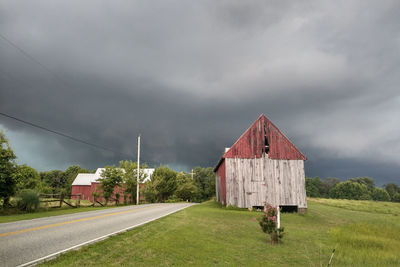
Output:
(262, 166)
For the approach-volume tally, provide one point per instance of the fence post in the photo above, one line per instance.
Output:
(61, 199)
(78, 204)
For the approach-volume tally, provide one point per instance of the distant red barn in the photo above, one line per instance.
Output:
(262, 166)
(86, 184)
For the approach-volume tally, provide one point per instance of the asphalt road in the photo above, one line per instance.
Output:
(24, 242)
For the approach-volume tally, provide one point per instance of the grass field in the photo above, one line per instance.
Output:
(364, 234)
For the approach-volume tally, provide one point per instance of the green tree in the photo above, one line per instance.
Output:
(110, 178)
(316, 187)
(150, 192)
(55, 179)
(130, 177)
(380, 194)
(393, 191)
(351, 190)
(162, 185)
(204, 179)
(182, 178)
(26, 177)
(187, 189)
(69, 176)
(396, 197)
(313, 186)
(328, 184)
(7, 169)
(368, 181)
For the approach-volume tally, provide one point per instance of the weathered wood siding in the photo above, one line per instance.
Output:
(251, 182)
(220, 184)
(217, 187)
(252, 143)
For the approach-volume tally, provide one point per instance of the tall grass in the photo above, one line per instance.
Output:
(362, 205)
(28, 200)
(363, 244)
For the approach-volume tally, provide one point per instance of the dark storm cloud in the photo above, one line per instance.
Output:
(192, 76)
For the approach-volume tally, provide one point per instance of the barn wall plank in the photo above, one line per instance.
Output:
(251, 182)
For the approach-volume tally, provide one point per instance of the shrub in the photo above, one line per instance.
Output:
(117, 196)
(269, 225)
(173, 199)
(187, 191)
(396, 197)
(28, 200)
(350, 190)
(95, 195)
(380, 194)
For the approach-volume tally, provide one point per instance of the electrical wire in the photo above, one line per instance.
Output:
(64, 135)
(26, 54)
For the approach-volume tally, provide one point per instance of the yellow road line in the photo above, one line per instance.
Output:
(73, 221)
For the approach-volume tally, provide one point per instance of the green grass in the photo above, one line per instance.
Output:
(362, 205)
(208, 234)
(47, 213)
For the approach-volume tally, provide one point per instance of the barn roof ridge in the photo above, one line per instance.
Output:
(251, 125)
(290, 142)
(223, 155)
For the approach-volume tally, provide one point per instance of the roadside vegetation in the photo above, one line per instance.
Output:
(168, 185)
(47, 213)
(209, 234)
(25, 190)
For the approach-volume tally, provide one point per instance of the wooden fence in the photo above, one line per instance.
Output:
(60, 199)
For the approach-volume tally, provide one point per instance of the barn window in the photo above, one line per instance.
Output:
(266, 145)
(288, 208)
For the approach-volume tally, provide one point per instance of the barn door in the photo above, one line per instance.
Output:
(253, 194)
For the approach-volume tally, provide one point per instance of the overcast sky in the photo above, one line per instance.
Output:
(191, 76)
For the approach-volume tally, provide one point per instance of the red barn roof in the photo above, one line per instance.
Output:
(263, 137)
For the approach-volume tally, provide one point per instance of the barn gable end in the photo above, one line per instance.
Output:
(262, 166)
(264, 133)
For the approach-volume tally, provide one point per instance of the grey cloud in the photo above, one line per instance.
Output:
(192, 76)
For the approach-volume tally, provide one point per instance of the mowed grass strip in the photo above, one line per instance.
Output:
(48, 213)
(209, 234)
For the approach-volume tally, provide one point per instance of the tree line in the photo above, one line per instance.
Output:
(166, 184)
(14, 178)
(360, 188)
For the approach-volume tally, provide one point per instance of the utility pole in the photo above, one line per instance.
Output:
(138, 170)
(192, 174)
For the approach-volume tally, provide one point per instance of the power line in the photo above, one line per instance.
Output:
(26, 54)
(64, 135)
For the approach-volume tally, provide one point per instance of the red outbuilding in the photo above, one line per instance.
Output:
(86, 184)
